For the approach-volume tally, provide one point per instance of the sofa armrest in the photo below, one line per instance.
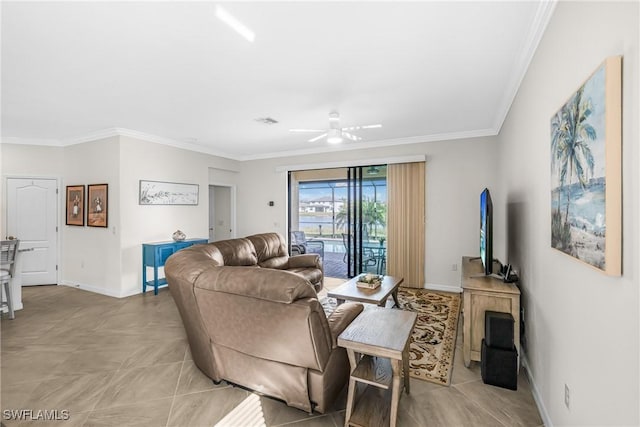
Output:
(305, 261)
(341, 318)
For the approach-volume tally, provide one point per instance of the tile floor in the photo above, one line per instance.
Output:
(126, 362)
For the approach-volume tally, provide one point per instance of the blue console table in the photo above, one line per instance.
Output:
(154, 255)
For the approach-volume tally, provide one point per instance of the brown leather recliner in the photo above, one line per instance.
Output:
(261, 328)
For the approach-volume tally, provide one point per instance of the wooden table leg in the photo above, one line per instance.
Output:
(396, 367)
(394, 294)
(352, 387)
(405, 368)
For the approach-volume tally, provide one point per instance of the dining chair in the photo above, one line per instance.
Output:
(8, 251)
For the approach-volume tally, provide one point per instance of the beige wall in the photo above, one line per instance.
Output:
(150, 161)
(581, 325)
(90, 255)
(108, 260)
(27, 160)
(456, 173)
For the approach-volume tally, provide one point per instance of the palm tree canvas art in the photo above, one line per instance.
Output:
(586, 171)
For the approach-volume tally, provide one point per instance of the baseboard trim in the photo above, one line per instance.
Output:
(546, 419)
(90, 288)
(102, 291)
(443, 288)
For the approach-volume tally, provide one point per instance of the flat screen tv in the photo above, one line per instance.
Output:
(486, 231)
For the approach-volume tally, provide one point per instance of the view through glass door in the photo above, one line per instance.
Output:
(340, 213)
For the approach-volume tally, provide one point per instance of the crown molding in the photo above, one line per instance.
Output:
(30, 141)
(115, 132)
(538, 27)
(375, 144)
(130, 133)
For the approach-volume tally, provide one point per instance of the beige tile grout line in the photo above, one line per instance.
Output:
(175, 390)
(473, 402)
(93, 408)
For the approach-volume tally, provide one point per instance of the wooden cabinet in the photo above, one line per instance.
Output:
(480, 294)
(154, 255)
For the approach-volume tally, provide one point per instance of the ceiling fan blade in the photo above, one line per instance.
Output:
(350, 136)
(362, 127)
(318, 137)
(378, 125)
(306, 130)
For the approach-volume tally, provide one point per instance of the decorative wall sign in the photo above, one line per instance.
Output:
(586, 176)
(98, 205)
(168, 193)
(75, 205)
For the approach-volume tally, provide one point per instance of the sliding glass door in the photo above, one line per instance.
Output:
(345, 209)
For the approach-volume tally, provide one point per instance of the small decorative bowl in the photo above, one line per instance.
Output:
(178, 236)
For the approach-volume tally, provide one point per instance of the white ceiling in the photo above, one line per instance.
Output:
(72, 71)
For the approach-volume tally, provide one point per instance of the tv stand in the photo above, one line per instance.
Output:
(493, 268)
(485, 293)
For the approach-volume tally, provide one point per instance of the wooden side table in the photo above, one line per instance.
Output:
(377, 343)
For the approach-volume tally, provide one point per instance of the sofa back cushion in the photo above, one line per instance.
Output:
(271, 250)
(265, 284)
(237, 252)
(264, 313)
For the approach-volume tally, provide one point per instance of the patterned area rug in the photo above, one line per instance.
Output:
(433, 340)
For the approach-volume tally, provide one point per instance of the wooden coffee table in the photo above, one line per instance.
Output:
(349, 291)
(377, 343)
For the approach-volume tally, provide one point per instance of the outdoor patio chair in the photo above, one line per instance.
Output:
(368, 257)
(301, 245)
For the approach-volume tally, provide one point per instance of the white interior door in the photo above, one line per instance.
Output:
(212, 214)
(222, 207)
(221, 212)
(32, 217)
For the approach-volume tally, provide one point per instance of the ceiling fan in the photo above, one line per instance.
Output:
(335, 134)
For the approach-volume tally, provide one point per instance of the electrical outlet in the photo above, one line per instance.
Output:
(454, 267)
(566, 396)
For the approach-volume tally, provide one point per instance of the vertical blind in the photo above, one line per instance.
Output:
(406, 222)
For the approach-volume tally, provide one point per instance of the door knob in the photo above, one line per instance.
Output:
(11, 238)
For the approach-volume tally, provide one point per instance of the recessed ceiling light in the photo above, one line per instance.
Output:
(233, 22)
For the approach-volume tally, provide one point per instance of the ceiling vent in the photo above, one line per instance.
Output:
(267, 120)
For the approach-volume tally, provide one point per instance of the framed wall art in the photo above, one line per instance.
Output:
(98, 205)
(168, 193)
(75, 205)
(586, 171)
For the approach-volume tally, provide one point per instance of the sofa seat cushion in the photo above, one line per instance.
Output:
(313, 275)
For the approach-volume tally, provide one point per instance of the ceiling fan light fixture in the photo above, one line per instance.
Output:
(334, 136)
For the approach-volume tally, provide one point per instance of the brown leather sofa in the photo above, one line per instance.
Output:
(253, 323)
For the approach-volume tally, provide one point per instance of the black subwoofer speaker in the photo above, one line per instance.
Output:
(499, 367)
(498, 330)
